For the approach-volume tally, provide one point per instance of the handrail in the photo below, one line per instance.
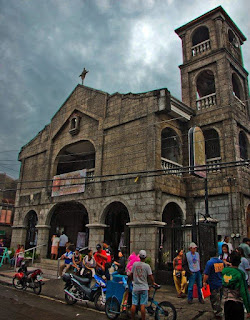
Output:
(58, 261)
(30, 249)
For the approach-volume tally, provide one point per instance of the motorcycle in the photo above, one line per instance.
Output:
(24, 279)
(78, 289)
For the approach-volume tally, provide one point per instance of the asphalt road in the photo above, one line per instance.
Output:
(19, 305)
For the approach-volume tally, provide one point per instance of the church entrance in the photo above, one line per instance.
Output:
(117, 232)
(31, 235)
(70, 217)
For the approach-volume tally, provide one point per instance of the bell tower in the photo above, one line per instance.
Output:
(215, 86)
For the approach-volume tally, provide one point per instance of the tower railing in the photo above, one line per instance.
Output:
(168, 164)
(201, 47)
(206, 102)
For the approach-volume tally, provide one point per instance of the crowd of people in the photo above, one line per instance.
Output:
(100, 262)
(226, 273)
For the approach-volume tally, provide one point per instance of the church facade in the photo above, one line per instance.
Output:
(115, 167)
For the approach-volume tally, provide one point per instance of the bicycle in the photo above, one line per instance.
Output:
(163, 310)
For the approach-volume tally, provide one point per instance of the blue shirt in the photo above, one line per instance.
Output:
(220, 243)
(193, 261)
(213, 270)
(68, 257)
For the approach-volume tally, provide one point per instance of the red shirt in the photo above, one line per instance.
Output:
(99, 259)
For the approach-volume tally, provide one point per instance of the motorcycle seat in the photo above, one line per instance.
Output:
(82, 280)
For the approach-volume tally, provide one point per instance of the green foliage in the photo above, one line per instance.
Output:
(148, 261)
(12, 252)
(29, 254)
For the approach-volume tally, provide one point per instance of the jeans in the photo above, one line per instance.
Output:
(195, 277)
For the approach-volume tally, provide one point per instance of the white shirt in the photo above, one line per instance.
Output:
(63, 240)
(230, 247)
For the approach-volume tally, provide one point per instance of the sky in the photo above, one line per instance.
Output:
(127, 46)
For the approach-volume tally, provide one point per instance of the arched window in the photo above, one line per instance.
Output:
(212, 144)
(200, 41)
(170, 145)
(243, 145)
(237, 89)
(232, 39)
(200, 35)
(205, 83)
(76, 156)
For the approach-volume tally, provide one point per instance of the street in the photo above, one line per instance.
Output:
(19, 305)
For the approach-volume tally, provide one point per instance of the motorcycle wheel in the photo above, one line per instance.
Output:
(18, 284)
(99, 302)
(37, 287)
(112, 308)
(68, 299)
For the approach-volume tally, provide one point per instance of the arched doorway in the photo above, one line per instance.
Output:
(172, 215)
(70, 217)
(172, 233)
(117, 232)
(31, 235)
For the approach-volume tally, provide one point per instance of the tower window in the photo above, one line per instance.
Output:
(212, 144)
(74, 125)
(205, 84)
(237, 89)
(200, 35)
(243, 145)
(232, 39)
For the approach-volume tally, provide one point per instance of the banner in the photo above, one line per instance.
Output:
(68, 183)
(197, 157)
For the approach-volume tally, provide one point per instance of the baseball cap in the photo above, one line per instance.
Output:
(142, 254)
(192, 245)
(98, 246)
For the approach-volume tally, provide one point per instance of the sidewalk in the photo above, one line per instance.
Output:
(54, 288)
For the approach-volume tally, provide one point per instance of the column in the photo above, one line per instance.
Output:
(145, 236)
(18, 235)
(42, 239)
(96, 234)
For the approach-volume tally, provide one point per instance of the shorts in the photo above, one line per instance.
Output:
(140, 297)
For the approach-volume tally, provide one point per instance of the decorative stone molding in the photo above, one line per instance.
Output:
(43, 226)
(96, 226)
(152, 223)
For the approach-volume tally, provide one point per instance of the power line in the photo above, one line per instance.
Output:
(133, 175)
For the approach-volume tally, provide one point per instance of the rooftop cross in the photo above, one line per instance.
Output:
(83, 74)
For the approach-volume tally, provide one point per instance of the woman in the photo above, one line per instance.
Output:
(225, 256)
(120, 263)
(20, 256)
(54, 246)
(179, 275)
(88, 264)
(244, 264)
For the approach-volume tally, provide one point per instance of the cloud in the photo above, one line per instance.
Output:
(128, 46)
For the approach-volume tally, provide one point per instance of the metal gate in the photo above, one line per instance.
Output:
(173, 238)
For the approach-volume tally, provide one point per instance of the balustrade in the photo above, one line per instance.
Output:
(206, 102)
(167, 165)
(201, 47)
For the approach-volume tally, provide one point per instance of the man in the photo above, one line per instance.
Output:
(192, 261)
(62, 243)
(213, 276)
(235, 290)
(101, 261)
(230, 247)
(109, 251)
(139, 274)
(67, 256)
(245, 246)
(220, 243)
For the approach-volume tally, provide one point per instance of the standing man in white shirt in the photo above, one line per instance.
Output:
(62, 244)
(230, 247)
